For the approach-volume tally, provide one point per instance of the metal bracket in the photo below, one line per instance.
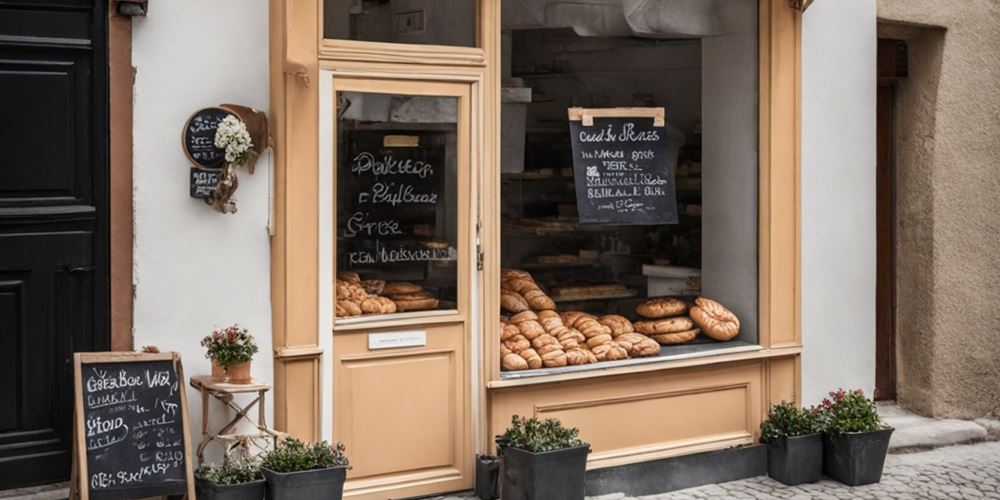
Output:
(800, 5)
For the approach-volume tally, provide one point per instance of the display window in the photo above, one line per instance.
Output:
(629, 184)
(397, 204)
(439, 22)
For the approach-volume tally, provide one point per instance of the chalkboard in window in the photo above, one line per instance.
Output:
(621, 166)
(198, 137)
(130, 420)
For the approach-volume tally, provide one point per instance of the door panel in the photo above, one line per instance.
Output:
(402, 161)
(53, 224)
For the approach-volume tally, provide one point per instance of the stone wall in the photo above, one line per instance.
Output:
(948, 205)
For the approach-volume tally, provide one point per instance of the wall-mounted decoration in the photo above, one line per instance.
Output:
(217, 140)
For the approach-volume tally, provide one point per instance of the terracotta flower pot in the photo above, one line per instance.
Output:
(235, 374)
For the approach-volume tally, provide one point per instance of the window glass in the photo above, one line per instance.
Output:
(396, 203)
(423, 22)
(620, 224)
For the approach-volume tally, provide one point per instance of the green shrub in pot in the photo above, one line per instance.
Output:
(230, 481)
(855, 438)
(299, 470)
(542, 460)
(794, 443)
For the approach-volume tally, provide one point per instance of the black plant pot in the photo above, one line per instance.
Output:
(856, 458)
(552, 475)
(796, 460)
(208, 490)
(487, 476)
(327, 484)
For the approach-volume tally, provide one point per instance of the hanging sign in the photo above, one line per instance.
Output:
(621, 166)
(131, 426)
(198, 137)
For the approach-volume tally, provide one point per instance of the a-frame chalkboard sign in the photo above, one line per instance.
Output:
(132, 438)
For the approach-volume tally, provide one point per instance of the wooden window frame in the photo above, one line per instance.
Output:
(298, 51)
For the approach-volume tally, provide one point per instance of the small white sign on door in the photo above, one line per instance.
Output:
(393, 340)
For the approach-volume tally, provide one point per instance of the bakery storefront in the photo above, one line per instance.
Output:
(585, 210)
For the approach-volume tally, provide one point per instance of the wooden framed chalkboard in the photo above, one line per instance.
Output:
(621, 166)
(130, 420)
(198, 137)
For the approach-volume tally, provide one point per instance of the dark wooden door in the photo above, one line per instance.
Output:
(885, 248)
(892, 67)
(53, 224)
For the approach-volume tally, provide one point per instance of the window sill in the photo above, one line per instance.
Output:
(374, 321)
(675, 357)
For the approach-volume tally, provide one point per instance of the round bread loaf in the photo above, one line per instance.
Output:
(513, 302)
(664, 307)
(349, 276)
(715, 320)
(676, 338)
(661, 326)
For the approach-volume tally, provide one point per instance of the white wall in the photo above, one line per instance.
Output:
(838, 197)
(196, 269)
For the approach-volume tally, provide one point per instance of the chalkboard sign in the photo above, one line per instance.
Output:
(621, 166)
(131, 426)
(391, 194)
(203, 182)
(198, 137)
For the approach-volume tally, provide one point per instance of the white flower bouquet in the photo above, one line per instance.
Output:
(232, 136)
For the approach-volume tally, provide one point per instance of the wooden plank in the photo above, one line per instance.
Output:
(587, 115)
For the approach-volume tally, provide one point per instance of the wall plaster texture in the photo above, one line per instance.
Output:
(948, 205)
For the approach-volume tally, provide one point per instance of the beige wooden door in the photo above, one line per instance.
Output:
(401, 381)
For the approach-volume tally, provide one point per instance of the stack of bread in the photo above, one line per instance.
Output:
(623, 331)
(354, 300)
(537, 336)
(666, 321)
(524, 343)
(519, 292)
(356, 296)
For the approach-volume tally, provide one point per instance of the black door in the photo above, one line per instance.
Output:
(53, 224)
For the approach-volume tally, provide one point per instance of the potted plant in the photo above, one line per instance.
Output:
(794, 442)
(856, 440)
(231, 350)
(296, 470)
(230, 481)
(542, 460)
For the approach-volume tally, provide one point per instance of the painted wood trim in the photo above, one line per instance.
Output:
(120, 208)
(648, 368)
(294, 246)
(400, 53)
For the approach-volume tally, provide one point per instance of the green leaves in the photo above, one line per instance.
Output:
(539, 436)
(850, 411)
(293, 455)
(229, 346)
(785, 420)
(231, 473)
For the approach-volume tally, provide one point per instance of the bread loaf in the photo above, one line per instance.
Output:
(617, 324)
(661, 326)
(677, 337)
(346, 309)
(513, 362)
(349, 276)
(664, 307)
(374, 304)
(513, 302)
(715, 320)
(399, 287)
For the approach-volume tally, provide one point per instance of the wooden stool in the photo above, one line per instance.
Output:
(227, 435)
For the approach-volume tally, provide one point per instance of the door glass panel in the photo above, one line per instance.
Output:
(422, 22)
(397, 210)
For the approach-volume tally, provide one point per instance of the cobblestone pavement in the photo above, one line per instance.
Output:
(955, 472)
